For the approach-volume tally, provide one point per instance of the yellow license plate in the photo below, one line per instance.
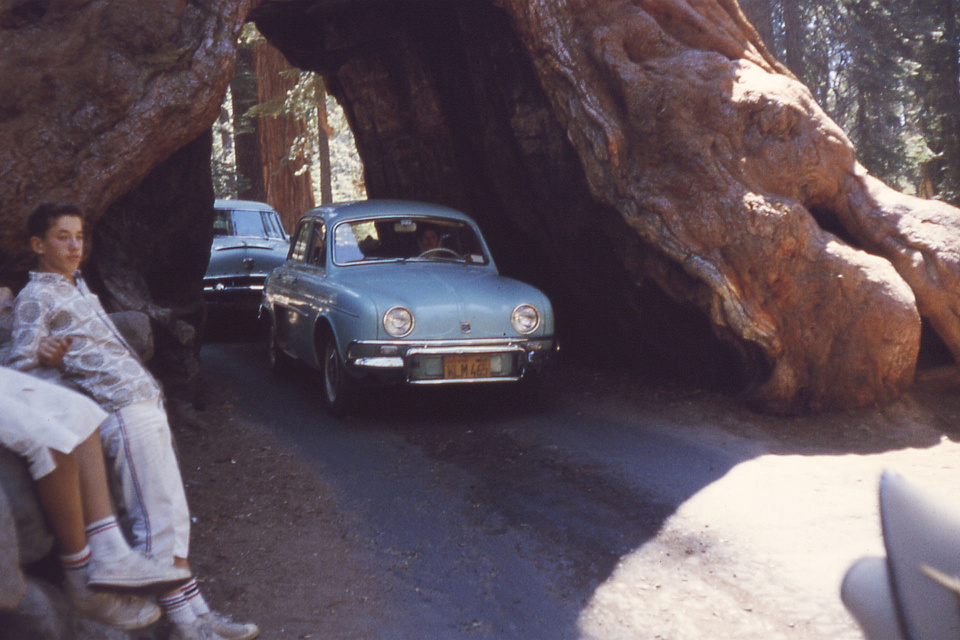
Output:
(458, 367)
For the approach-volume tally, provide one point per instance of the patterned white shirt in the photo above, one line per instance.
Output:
(99, 361)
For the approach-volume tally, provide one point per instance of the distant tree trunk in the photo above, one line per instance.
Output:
(793, 37)
(943, 65)
(225, 172)
(245, 91)
(288, 185)
(760, 14)
(323, 142)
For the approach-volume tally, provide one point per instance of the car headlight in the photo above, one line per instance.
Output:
(525, 319)
(398, 322)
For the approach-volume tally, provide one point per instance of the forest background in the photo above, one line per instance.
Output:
(887, 71)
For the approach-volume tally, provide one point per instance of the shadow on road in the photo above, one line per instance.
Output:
(499, 515)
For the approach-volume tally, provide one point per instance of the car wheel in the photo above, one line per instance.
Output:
(277, 359)
(338, 386)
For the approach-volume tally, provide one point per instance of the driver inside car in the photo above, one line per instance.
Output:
(428, 239)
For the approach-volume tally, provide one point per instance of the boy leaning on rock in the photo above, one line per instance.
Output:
(59, 324)
(55, 431)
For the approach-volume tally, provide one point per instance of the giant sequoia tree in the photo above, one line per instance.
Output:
(722, 161)
(619, 142)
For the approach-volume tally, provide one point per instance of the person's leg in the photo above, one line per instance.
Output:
(113, 562)
(60, 498)
(94, 490)
(139, 447)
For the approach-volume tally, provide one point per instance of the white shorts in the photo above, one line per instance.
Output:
(139, 446)
(37, 416)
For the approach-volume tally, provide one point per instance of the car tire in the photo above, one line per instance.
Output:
(338, 386)
(277, 359)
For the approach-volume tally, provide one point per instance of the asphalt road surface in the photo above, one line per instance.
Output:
(607, 509)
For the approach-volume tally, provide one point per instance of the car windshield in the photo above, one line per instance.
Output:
(401, 239)
(241, 222)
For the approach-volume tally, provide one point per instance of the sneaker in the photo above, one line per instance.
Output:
(225, 627)
(193, 631)
(132, 570)
(118, 610)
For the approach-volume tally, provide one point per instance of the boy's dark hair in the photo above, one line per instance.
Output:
(43, 217)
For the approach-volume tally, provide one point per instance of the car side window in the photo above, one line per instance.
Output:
(272, 226)
(318, 254)
(301, 242)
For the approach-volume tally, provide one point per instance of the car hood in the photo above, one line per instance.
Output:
(449, 301)
(232, 255)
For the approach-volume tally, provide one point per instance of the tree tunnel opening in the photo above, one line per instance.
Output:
(444, 106)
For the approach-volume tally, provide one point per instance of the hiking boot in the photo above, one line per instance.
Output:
(225, 627)
(132, 570)
(118, 610)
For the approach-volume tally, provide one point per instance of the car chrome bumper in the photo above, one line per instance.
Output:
(436, 362)
(233, 292)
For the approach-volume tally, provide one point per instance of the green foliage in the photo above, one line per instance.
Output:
(888, 72)
(306, 101)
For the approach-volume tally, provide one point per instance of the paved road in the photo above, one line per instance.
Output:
(498, 518)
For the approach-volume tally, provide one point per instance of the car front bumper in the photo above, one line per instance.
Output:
(452, 361)
(234, 292)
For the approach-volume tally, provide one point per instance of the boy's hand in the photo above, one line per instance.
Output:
(52, 349)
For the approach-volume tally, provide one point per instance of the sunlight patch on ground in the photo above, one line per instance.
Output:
(760, 553)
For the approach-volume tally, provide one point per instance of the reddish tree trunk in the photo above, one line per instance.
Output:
(96, 94)
(326, 173)
(246, 96)
(287, 181)
(607, 143)
(716, 156)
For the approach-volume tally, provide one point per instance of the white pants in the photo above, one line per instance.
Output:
(138, 443)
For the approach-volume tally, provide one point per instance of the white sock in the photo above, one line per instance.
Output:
(75, 569)
(191, 591)
(177, 608)
(106, 539)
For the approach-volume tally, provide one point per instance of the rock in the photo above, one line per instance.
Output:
(41, 615)
(31, 526)
(134, 326)
(13, 587)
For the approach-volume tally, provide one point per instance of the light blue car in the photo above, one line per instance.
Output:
(387, 290)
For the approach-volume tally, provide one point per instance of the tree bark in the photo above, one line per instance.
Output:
(149, 253)
(603, 145)
(96, 94)
(287, 181)
(945, 98)
(323, 144)
(716, 156)
(793, 36)
(246, 95)
(760, 14)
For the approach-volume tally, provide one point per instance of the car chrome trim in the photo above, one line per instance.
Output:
(457, 350)
(221, 289)
(460, 380)
(378, 363)
(413, 321)
(230, 247)
(430, 344)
